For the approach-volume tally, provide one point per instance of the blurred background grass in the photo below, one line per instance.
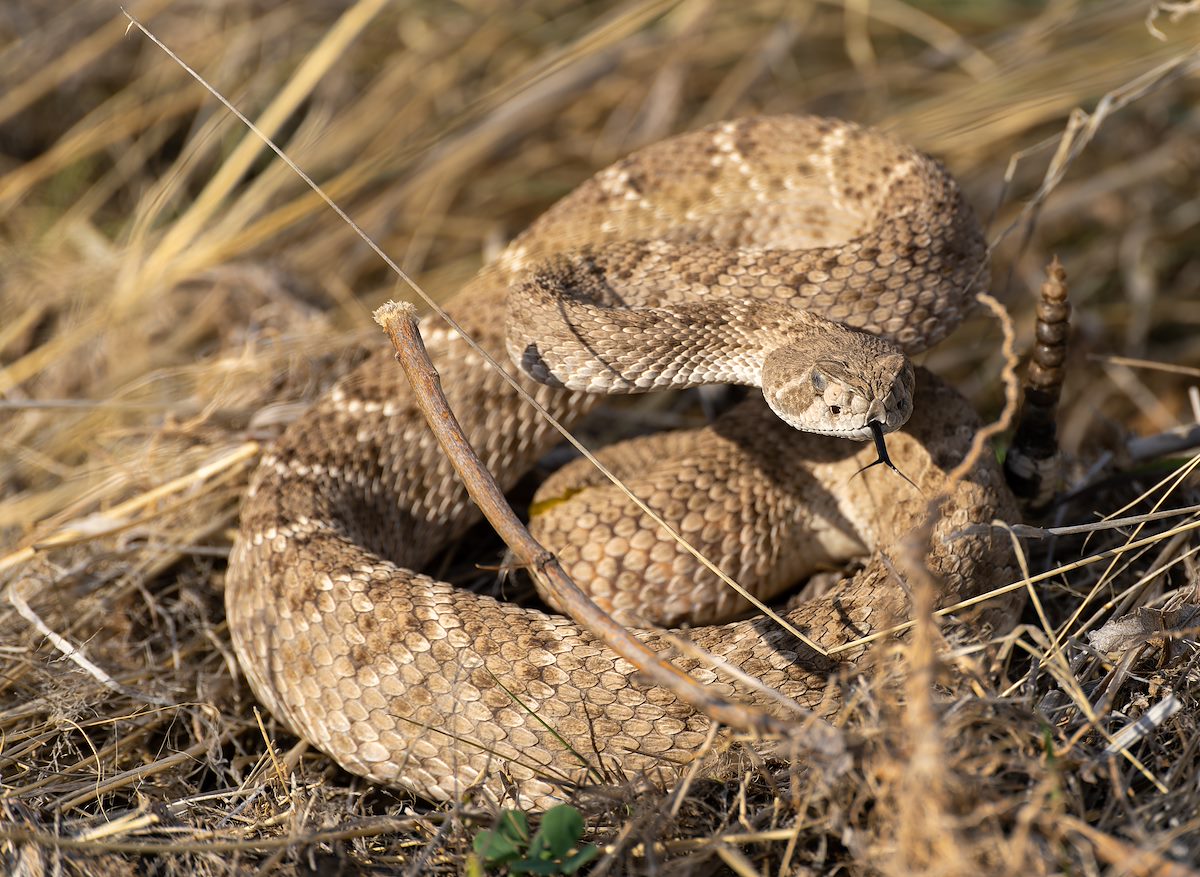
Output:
(171, 294)
(444, 128)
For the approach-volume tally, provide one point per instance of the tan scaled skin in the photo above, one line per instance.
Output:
(414, 683)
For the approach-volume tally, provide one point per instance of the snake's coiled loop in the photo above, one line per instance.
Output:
(412, 682)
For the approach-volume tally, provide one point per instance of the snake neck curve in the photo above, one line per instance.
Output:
(573, 323)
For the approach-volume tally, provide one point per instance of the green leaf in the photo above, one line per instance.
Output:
(547, 853)
(515, 825)
(495, 847)
(561, 828)
(535, 866)
(586, 853)
(506, 841)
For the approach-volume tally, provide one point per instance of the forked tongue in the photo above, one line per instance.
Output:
(881, 450)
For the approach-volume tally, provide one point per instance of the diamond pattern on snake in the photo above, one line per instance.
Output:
(806, 256)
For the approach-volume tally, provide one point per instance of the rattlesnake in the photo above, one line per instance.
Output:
(412, 682)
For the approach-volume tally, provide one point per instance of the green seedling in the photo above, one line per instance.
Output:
(553, 849)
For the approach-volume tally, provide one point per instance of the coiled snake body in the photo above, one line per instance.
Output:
(697, 258)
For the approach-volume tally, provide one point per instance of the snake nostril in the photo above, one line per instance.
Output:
(836, 409)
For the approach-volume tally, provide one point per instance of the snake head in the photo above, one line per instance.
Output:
(840, 392)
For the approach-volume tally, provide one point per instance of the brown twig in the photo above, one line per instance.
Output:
(399, 320)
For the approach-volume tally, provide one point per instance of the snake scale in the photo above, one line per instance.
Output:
(697, 259)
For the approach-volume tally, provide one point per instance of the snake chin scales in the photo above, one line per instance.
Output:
(808, 256)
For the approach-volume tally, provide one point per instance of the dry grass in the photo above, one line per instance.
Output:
(171, 296)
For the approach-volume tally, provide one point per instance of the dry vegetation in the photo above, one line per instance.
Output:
(171, 295)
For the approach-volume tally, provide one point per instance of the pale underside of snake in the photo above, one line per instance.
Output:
(804, 255)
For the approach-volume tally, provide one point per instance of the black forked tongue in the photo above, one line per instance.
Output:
(881, 450)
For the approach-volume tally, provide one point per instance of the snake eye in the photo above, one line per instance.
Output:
(818, 381)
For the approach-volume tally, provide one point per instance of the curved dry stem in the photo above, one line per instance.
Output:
(488, 359)
(1012, 389)
(399, 320)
